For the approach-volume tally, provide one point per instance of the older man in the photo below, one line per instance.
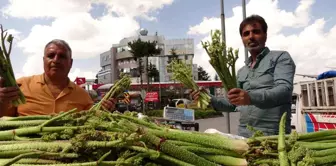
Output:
(51, 92)
(264, 84)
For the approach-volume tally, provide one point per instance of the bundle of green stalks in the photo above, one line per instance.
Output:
(117, 89)
(6, 69)
(182, 72)
(223, 60)
(304, 149)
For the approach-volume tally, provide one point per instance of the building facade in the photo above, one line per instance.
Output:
(120, 60)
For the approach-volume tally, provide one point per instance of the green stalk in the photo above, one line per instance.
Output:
(266, 161)
(181, 143)
(163, 156)
(12, 153)
(32, 161)
(16, 124)
(314, 139)
(176, 151)
(58, 117)
(226, 160)
(316, 145)
(282, 142)
(317, 134)
(327, 141)
(44, 146)
(10, 134)
(33, 155)
(30, 117)
(94, 163)
(137, 121)
(326, 152)
(212, 151)
(324, 160)
(238, 146)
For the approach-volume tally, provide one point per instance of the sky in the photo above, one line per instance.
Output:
(304, 28)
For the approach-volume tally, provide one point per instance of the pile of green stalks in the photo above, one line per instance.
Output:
(222, 59)
(304, 149)
(182, 72)
(98, 137)
(6, 69)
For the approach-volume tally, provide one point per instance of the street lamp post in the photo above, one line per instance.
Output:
(226, 114)
(244, 16)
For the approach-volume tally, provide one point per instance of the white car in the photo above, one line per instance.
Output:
(184, 101)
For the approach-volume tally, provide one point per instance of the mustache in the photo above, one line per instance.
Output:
(252, 41)
(56, 66)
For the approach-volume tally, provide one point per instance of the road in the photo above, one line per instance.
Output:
(219, 123)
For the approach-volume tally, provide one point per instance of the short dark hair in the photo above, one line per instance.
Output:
(253, 19)
(59, 42)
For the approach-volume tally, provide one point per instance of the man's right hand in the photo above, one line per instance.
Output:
(194, 95)
(7, 94)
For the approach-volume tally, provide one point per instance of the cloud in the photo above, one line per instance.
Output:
(76, 72)
(51, 8)
(45, 9)
(137, 8)
(311, 48)
(87, 36)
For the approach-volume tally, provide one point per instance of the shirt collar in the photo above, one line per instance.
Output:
(40, 79)
(260, 56)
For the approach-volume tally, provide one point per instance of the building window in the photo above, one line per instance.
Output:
(122, 49)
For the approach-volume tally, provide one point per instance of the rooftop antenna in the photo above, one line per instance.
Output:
(140, 26)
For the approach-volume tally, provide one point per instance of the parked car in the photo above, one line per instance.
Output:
(121, 107)
(183, 101)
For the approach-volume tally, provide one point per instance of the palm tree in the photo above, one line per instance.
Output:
(173, 55)
(143, 49)
(153, 73)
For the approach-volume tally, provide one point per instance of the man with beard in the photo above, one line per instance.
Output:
(264, 84)
(51, 92)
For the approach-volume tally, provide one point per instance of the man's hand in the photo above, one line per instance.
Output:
(109, 104)
(238, 97)
(194, 95)
(8, 94)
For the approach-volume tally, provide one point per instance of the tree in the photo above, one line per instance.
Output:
(140, 49)
(96, 80)
(153, 72)
(216, 77)
(202, 74)
(173, 55)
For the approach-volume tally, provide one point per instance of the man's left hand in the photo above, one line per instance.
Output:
(238, 97)
(109, 104)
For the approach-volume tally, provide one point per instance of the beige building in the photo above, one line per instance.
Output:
(119, 59)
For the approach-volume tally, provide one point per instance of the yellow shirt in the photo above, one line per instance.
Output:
(40, 101)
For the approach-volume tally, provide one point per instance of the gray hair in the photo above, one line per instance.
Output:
(60, 42)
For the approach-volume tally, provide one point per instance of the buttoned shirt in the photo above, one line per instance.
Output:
(270, 85)
(40, 101)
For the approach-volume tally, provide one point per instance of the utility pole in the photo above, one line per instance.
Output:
(226, 114)
(244, 16)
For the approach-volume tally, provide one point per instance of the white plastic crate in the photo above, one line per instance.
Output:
(182, 114)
